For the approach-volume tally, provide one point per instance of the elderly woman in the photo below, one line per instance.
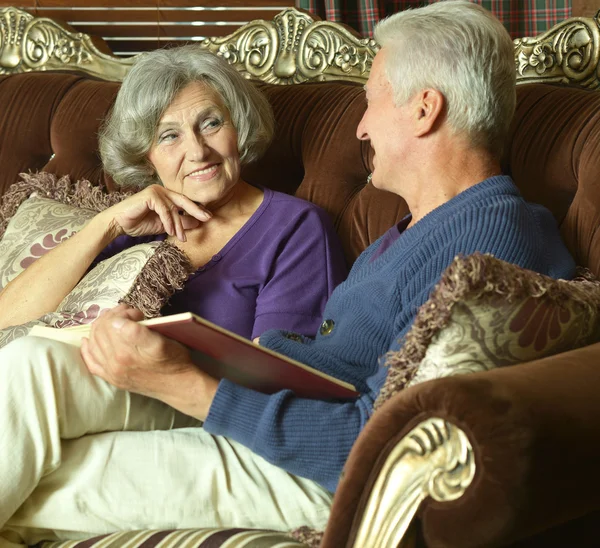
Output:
(183, 124)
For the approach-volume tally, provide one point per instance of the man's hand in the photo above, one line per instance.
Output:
(132, 357)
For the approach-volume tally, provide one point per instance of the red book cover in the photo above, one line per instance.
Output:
(223, 354)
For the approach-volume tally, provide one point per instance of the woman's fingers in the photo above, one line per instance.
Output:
(173, 221)
(181, 214)
(166, 212)
(189, 207)
(179, 230)
(156, 209)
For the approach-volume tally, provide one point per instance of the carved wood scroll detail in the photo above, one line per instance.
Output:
(566, 54)
(294, 47)
(29, 43)
(435, 460)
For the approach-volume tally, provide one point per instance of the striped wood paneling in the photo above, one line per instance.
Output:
(130, 27)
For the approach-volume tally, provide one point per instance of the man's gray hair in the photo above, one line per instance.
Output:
(151, 86)
(464, 52)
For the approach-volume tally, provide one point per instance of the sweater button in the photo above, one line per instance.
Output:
(326, 327)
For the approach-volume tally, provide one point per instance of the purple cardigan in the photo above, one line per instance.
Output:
(276, 272)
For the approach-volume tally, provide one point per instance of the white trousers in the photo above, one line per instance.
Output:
(79, 457)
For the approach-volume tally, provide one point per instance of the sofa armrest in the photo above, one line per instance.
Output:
(435, 459)
(535, 445)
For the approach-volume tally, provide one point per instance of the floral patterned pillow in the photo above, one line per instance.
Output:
(40, 211)
(39, 225)
(144, 276)
(486, 313)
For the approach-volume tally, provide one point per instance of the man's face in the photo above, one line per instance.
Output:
(385, 125)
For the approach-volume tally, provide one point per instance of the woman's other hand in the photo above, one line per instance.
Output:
(132, 357)
(156, 210)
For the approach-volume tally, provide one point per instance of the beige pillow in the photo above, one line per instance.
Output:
(40, 211)
(486, 313)
(39, 225)
(144, 276)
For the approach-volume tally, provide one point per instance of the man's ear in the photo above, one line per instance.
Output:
(428, 110)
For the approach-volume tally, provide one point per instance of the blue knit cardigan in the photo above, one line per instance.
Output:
(371, 311)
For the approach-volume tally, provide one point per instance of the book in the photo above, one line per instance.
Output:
(223, 354)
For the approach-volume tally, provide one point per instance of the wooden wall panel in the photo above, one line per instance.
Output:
(133, 26)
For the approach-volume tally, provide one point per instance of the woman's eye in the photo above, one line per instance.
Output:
(211, 124)
(166, 137)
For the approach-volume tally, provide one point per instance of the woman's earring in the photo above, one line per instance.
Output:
(369, 177)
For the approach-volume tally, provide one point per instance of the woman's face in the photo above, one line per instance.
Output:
(195, 149)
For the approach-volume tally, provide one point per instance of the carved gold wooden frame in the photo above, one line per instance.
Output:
(435, 460)
(29, 43)
(566, 54)
(294, 47)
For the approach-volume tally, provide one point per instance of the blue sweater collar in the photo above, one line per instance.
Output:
(492, 186)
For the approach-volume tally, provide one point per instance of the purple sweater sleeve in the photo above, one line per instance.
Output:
(308, 265)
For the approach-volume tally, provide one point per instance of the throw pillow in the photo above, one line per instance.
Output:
(144, 276)
(39, 212)
(39, 225)
(486, 313)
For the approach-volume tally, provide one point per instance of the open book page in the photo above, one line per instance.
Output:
(223, 354)
(70, 335)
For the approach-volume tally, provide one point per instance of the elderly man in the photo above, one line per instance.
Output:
(441, 95)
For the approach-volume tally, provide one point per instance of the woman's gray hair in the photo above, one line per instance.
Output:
(151, 86)
(464, 52)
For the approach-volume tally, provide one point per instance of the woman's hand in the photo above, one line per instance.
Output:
(132, 357)
(155, 210)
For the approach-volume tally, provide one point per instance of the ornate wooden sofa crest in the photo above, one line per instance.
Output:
(293, 48)
(435, 459)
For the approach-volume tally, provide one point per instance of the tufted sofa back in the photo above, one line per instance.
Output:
(50, 121)
(554, 157)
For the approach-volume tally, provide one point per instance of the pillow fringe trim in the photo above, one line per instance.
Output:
(308, 536)
(81, 194)
(479, 274)
(163, 274)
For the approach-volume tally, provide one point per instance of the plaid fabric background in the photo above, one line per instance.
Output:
(520, 17)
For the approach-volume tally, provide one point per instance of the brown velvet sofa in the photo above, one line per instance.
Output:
(507, 457)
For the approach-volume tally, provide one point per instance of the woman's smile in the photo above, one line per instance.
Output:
(204, 174)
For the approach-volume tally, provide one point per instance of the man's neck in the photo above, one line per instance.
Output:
(449, 174)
